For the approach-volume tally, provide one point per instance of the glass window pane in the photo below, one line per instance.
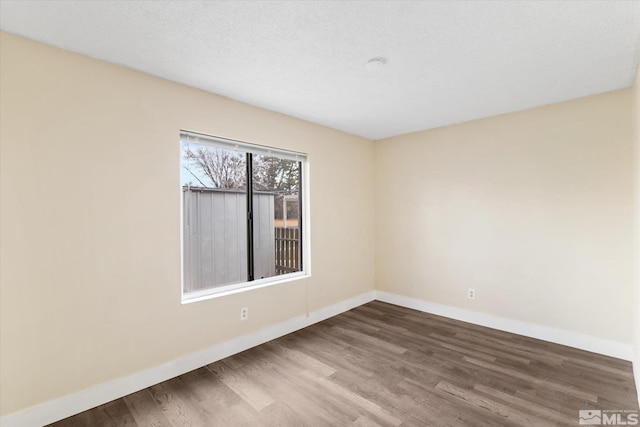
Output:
(276, 216)
(214, 216)
(213, 167)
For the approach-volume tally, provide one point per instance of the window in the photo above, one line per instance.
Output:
(242, 214)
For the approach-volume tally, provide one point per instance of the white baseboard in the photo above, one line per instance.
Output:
(66, 406)
(532, 330)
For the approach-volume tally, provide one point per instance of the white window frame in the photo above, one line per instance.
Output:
(235, 288)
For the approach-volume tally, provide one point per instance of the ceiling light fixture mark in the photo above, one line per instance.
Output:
(376, 64)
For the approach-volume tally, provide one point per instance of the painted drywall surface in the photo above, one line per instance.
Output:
(532, 209)
(636, 122)
(90, 221)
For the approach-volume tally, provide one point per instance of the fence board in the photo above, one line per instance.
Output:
(287, 250)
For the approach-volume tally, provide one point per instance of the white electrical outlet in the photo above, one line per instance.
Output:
(471, 293)
(244, 313)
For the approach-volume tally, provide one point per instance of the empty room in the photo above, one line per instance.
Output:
(319, 213)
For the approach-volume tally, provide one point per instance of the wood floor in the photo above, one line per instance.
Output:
(383, 365)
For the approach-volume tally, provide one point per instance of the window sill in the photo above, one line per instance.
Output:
(240, 287)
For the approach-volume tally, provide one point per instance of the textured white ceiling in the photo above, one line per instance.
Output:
(447, 61)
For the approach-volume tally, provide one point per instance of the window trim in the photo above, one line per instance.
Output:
(234, 288)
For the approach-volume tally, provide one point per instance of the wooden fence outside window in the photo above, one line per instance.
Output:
(287, 242)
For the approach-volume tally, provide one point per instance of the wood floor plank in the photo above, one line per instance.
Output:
(283, 379)
(144, 410)
(304, 360)
(242, 384)
(383, 365)
(539, 411)
(176, 407)
(568, 389)
(442, 409)
(363, 421)
(354, 398)
(509, 414)
(112, 414)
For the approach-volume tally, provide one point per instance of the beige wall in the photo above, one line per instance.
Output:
(636, 122)
(532, 209)
(90, 225)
